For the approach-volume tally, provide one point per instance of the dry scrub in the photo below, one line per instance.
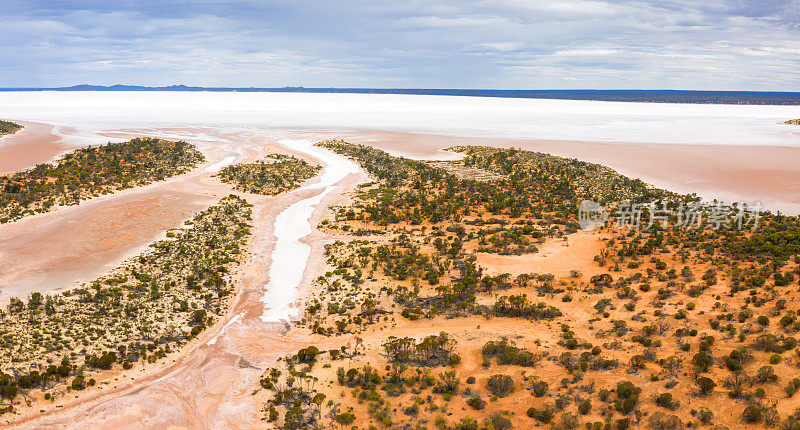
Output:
(666, 328)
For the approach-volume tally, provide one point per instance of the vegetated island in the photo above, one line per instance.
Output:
(273, 175)
(8, 127)
(54, 344)
(91, 172)
(139, 313)
(662, 326)
(793, 122)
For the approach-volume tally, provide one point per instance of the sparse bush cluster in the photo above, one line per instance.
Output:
(274, 175)
(142, 311)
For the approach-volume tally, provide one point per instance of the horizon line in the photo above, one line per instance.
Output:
(179, 87)
(729, 97)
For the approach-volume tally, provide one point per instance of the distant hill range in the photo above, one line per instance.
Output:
(651, 96)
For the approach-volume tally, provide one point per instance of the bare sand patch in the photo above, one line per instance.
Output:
(556, 256)
(26, 148)
(61, 249)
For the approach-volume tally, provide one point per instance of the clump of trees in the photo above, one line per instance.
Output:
(276, 174)
(518, 306)
(8, 127)
(434, 350)
(507, 353)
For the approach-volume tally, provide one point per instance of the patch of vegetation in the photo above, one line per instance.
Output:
(432, 351)
(141, 312)
(711, 312)
(500, 385)
(91, 172)
(507, 353)
(274, 175)
(8, 127)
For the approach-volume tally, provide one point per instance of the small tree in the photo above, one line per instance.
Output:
(752, 414)
(540, 388)
(705, 384)
(702, 361)
(585, 407)
(345, 418)
(476, 403)
(78, 383)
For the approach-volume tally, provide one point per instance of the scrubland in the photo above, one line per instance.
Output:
(660, 327)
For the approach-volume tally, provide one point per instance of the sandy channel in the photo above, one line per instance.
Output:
(210, 384)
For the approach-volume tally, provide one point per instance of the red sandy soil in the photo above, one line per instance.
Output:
(556, 256)
(32, 145)
(209, 384)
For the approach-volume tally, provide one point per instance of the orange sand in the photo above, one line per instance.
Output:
(210, 385)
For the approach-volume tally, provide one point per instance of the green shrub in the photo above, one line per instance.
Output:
(752, 414)
(78, 383)
(792, 388)
(585, 407)
(345, 418)
(665, 401)
(626, 390)
(476, 403)
(705, 384)
(500, 385)
(540, 388)
(766, 374)
(307, 355)
(702, 361)
(544, 415)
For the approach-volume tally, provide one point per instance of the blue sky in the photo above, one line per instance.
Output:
(536, 44)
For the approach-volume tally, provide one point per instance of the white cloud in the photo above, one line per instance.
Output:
(595, 52)
(711, 44)
(448, 22)
(501, 46)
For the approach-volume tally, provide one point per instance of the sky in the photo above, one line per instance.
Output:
(494, 44)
